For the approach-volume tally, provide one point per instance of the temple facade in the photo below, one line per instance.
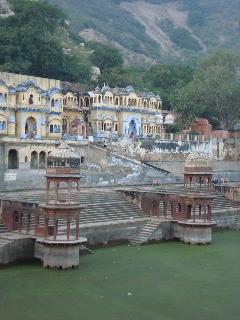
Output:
(125, 112)
(38, 108)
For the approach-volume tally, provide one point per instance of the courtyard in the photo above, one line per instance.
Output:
(165, 281)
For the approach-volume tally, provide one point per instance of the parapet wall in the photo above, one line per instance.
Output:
(13, 79)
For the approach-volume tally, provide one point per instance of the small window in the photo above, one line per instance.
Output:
(30, 100)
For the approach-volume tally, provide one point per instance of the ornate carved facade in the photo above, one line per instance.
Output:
(37, 108)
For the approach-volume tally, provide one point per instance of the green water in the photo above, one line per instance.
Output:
(169, 281)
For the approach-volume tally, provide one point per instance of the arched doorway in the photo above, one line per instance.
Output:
(42, 160)
(132, 131)
(31, 127)
(34, 160)
(13, 159)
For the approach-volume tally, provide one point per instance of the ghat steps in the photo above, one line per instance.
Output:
(145, 232)
(107, 205)
(101, 207)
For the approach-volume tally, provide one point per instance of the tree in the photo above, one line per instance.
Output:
(163, 79)
(105, 57)
(122, 77)
(214, 92)
(29, 45)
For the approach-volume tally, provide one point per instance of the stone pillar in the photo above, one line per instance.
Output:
(77, 227)
(68, 227)
(78, 192)
(164, 209)
(22, 128)
(39, 124)
(55, 228)
(19, 222)
(209, 216)
(204, 212)
(56, 192)
(28, 222)
(46, 226)
(69, 191)
(47, 192)
(194, 213)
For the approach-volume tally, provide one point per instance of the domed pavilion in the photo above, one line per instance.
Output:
(62, 209)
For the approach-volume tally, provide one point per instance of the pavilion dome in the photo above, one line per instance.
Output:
(63, 156)
(198, 160)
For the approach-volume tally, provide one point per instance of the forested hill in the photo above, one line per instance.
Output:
(163, 30)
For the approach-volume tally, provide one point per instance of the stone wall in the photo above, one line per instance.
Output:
(225, 219)
(100, 168)
(229, 169)
(17, 249)
(112, 232)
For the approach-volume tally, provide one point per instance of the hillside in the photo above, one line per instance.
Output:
(157, 30)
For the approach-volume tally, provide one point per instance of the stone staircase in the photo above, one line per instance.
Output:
(3, 229)
(145, 232)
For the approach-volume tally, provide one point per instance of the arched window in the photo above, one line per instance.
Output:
(116, 127)
(99, 99)
(82, 159)
(52, 103)
(51, 128)
(42, 160)
(116, 101)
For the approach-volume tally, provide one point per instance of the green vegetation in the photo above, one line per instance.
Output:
(164, 79)
(28, 43)
(169, 280)
(180, 37)
(123, 76)
(213, 93)
(215, 22)
(104, 57)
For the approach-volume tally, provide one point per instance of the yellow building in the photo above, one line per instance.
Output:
(125, 112)
(76, 107)
(29, 111)
(38, 108)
